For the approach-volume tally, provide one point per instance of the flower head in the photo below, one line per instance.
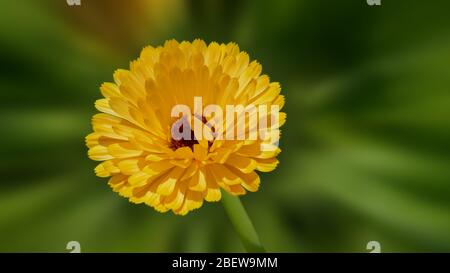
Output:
(167, 135)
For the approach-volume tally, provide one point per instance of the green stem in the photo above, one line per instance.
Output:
(241, 223)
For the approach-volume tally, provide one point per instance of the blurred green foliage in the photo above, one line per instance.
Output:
(365, 148)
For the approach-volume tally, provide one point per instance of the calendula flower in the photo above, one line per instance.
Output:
(176, 162)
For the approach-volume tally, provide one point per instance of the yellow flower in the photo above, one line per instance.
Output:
(133, 136)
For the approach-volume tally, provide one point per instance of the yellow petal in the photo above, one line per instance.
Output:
(280, 100)
(117, 181)
(262, 83)
(183, 152)
(250, 181)
(269, 95)
(242, 163)
(139, 178)
(221, 155)
(200, 152)
(123, 150)
(99, 153)
(190, 171)
(101, 171)
(223, 175)
(103, 105)
(254, 150)
(175, 200)
(183, 163)
(266, 165)
(110, 90)
(167, 184)
(236, 190)
(155, 157)
(130, 166)
(194, 200)
(198, 181)
(157, 167)
(213, 193)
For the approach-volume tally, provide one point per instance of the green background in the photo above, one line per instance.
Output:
(365, 147)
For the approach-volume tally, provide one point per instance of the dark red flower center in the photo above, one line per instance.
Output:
(190, 142)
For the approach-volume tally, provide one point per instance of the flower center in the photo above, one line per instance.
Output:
(190, 142)
(175, 144)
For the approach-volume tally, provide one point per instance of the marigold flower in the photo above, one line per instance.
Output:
(133, 135)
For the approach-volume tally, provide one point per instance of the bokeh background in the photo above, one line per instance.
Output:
(365, 148)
